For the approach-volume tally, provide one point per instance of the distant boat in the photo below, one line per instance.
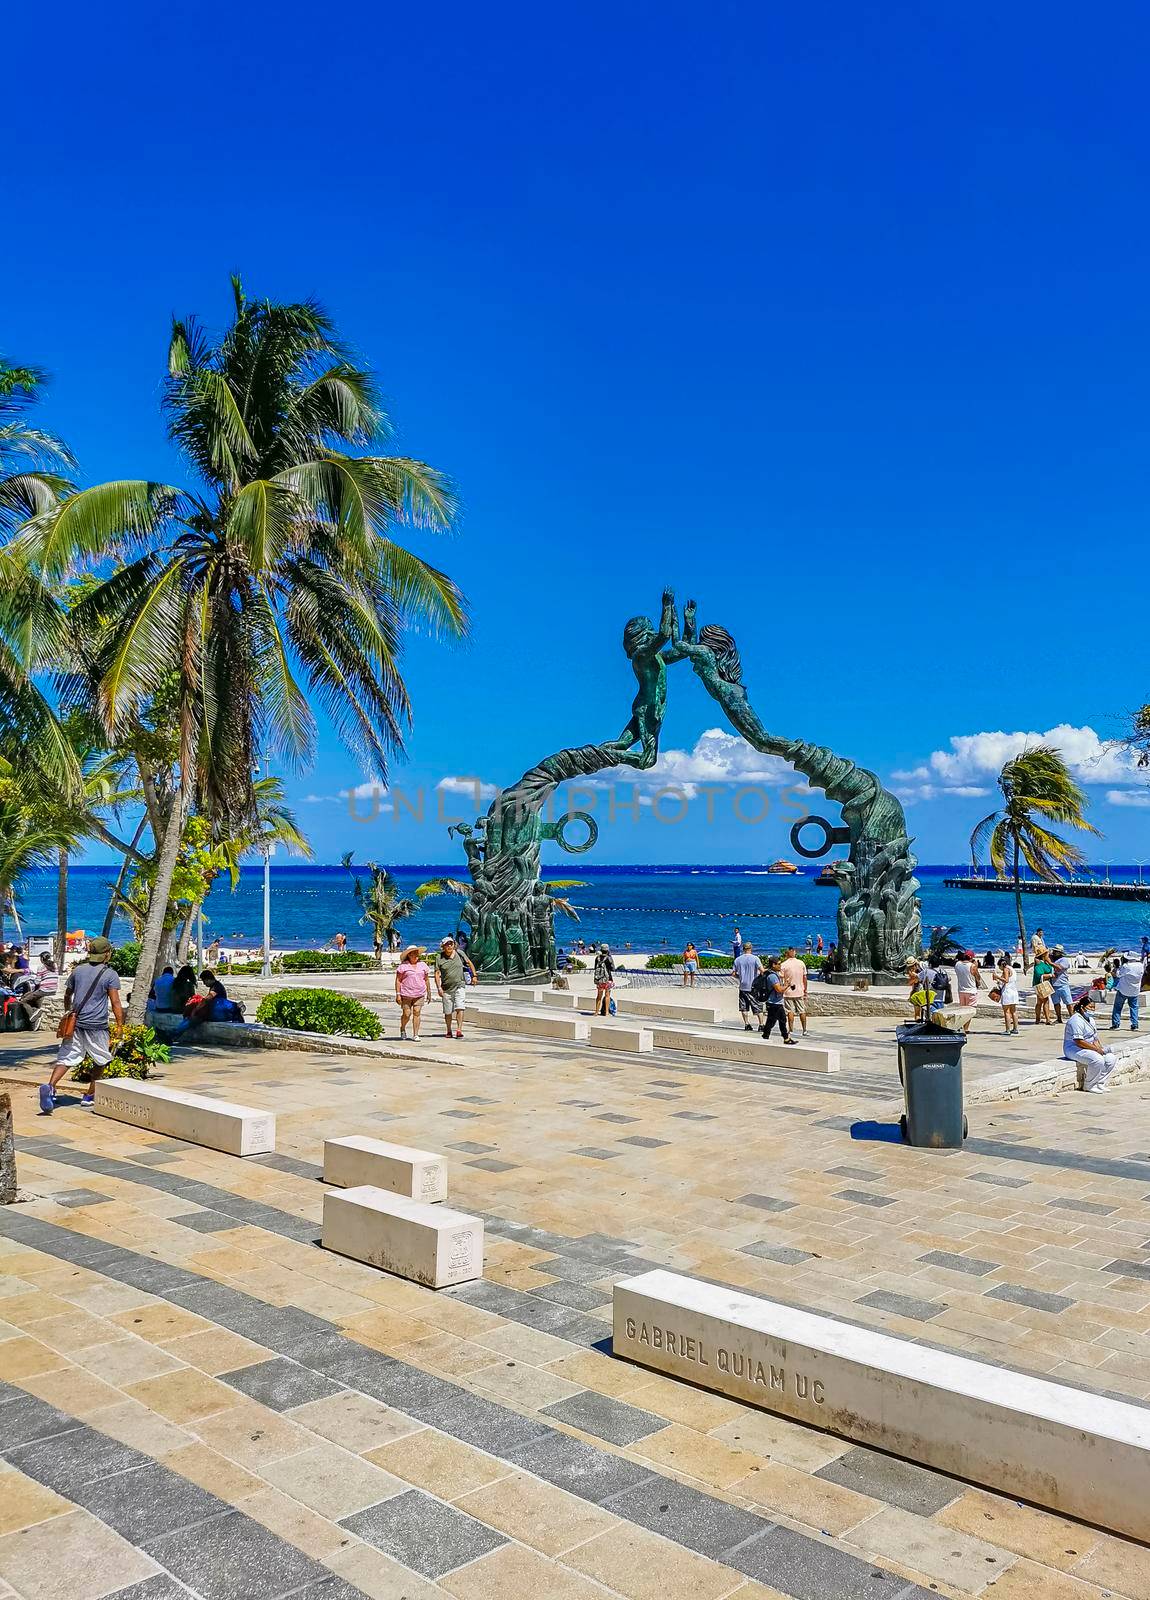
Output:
(826, 878)
(782, 869)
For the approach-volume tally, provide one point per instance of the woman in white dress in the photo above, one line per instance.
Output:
(1008, 995)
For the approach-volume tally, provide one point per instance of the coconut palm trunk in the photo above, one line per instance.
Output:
(61, 909)
(1018, 905)
(152, 941)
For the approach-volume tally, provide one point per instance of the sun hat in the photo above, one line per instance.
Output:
(99, 948)
(1131, 955)
(410, 948)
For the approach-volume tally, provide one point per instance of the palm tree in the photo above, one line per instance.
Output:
(274, 587)
(380, 901)
(1036, 788)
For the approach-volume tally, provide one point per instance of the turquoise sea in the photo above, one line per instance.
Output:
(646, 907)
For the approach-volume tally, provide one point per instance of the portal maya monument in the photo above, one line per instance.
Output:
(510, 909)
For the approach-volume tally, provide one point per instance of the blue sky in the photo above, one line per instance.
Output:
(834, 317)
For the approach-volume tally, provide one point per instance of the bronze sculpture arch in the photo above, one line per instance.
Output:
(508, 908)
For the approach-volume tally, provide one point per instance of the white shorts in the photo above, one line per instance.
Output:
(454, 1000)
(92, 1042)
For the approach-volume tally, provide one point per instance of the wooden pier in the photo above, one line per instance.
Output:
(1070, 889)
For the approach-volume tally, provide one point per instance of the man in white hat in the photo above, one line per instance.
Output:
(451, 983)
(1127, 988)
(92, 987)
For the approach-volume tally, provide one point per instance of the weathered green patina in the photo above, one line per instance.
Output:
(510, 911)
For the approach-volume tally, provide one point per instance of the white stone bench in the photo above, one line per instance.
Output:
(676, 1010)
(524, 996)
(355, 1161)
(541, 1024)
(727, 1045)
(196, 1118)
(565, 999)
(429, 1244)
(1067, 1449)
(618, 1036)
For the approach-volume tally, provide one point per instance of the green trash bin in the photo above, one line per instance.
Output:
(930, 1066)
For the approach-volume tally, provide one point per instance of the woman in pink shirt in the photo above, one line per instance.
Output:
(412, 988)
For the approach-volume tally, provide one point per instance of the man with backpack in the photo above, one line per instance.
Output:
(93, 986)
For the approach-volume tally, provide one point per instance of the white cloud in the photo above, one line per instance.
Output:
(718, 757)
(974, 758)
(1128, 797)
(480, 791)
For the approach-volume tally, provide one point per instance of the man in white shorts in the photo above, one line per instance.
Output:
(92, 987)
(451, 984)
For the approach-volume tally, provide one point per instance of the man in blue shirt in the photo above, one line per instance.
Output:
(747, 969)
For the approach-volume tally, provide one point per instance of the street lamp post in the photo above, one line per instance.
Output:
(267, 966)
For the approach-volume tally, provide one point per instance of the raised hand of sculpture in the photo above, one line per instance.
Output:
(879, 921)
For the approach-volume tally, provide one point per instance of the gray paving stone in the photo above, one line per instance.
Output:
(471, 1149)
(423, 1534)
(786, 1255)
(330, 1589)
(69, 1460)
(1128, 1269)
(694, 1116)
(1035, 1298)
(998, 1179)
(280, 1384)
(607, 1419)
(808, 1569)
(462, 1115)
(593, 1154)
(488, 1164)
(148, 1501)
(81, 1197)
(615, 1116)
(971, 1265)
(477, 1421)
(898, 1483)
(580, 1468)
(1090, 1207)
(207, 1221)
(160, 1587)
(643, 1143)
(863, 1197)
(688, 1516)
(863, 1174)
(576, 1295)
(903, 1305)
(765, 1202)
(234, 1558)
(26, 1418)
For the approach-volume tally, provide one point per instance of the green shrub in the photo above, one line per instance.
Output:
(125, 958)
(327, 961)
(319, 1011)
(135, 1050)
(707, 963)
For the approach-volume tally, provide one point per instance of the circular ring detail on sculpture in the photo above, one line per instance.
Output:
(831, 837)
(556, 831)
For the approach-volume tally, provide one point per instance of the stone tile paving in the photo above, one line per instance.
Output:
(382, 1431)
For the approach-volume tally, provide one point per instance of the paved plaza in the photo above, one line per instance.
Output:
(196, 1399)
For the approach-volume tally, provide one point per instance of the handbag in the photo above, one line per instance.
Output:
(1044, 990)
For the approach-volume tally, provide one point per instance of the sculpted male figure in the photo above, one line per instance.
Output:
(643, 644)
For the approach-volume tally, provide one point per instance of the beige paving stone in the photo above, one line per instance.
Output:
(251, 1435)
(696, 1455)
(934, 1551)
(1044, 1537)
(71, 1557)
(21, 1309)
(126, 1361)
(104, 1299)
(160, 1321)
(23, 1357)
(354, 1421)
(776, 1439)
(73, 1330)
(383, 1330)
(642, 1566)
(511, 1570)
(377, 1576)
(72, 1389)
(441, 1465)
(795, 1494)
(216, 1350)
(679, 1402)
(315, 1535)
(1117, 1565)
(448, 1354)
(588, 1370)
(185, 1395)
(1026, 1580)
(134, 1424)
(527, 1344)
(214, 1472)
(538, 1514)
(331, 1481)
(23, 1502)
(524, 1387)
